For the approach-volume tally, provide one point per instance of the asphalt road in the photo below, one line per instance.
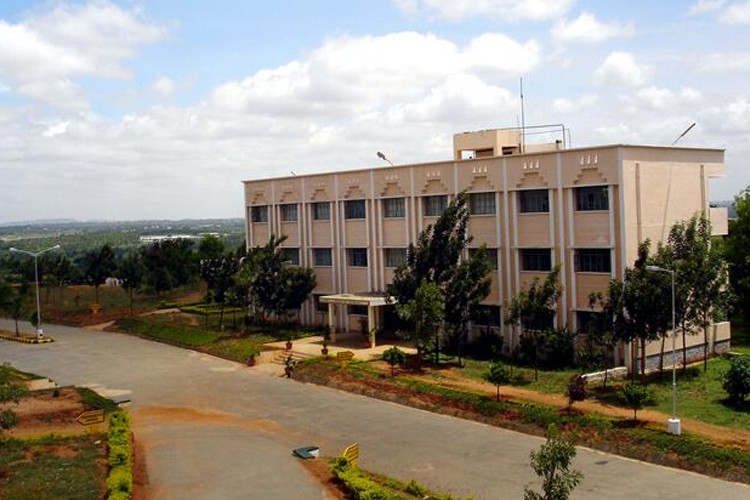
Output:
(214, 429)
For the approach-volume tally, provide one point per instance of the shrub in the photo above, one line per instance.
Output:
(487, 345)
(636, 396)
(120, 480)
(552, 464)
(737, 379)
(360, 486)
(577, 389)
(416, 489)
(394, 356)
(498, 375)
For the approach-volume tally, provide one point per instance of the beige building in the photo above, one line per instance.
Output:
(534, 206)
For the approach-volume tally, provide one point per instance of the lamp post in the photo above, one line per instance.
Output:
(382, 157)
(39, 330)
(673, 424)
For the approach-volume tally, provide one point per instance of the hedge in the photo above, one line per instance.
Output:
(120, 480)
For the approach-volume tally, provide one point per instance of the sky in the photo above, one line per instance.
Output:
(159, 109)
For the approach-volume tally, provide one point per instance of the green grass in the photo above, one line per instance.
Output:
(53, 467)
(177, 330)
(550, 382)
(93, 401)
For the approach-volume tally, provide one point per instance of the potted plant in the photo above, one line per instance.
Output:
(324, 350)
(289, 339)
(251, 361)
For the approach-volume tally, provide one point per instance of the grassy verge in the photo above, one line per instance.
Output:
(624, 437)
(53, 467)
(120, 457)
(165, 329)
(361, 484)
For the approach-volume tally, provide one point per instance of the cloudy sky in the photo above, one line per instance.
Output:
(135, 109)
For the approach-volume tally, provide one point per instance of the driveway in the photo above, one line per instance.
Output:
(216, 429)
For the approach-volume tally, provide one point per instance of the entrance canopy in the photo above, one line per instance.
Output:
(371, 300)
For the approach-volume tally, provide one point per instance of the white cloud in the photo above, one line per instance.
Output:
(723, 62)
(621, 68)
(703, 6)
(43, 55)
(458, 10)
(350, 74)
(163, 86)
(736, 13)
(663, 98)
(586, 28)
(58, 129)
(574, 105)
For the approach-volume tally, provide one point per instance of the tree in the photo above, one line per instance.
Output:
(577, 389)
(552, 464)
(425, 311)
(10, 391)
(700, 277)
(274, 286)
(394, 356)
(533, 310)
(210, 247)
(497, 375)
(131, 271)
(98, 265)
(436, 258)
(738, 257)
(636, 397)
(169, 264)
(736, 381)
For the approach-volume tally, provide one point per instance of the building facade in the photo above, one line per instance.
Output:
(535, 207)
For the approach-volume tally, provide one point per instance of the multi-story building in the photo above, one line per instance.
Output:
(534, 206)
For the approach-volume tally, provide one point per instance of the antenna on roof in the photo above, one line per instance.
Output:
(523, 122)
(683, 134)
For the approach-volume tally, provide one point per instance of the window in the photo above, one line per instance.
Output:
(357, 257)
(536, 259)
(291, 255)
(322, 257)
(354, 209)
(394, 207)
(288, 212)
(491, 255)
(593, 260)
(535, 201)
(487, 316)
(259, 214)
(321, 210)
(394, 257)
(482, 203)
(357, 310)
(592, 198)
(434, 205)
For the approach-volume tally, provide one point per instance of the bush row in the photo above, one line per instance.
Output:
(120, 480)
(360, 486)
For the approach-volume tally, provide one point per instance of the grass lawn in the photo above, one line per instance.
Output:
(550, 382)
(53, 467)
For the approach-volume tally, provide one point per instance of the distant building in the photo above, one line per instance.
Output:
(535, 206)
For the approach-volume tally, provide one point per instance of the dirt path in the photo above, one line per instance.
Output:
(722, 434)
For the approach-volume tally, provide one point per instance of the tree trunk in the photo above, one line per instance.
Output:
(643, 360)
(221, 317)
(684, 349)
(96, 293)
(130, 294)
(705, 347)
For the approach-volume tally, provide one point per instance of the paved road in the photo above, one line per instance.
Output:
(213, 429)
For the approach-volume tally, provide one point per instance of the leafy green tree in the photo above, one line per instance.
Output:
(394, 356)
(274, 287)
(131, 271)
(700, 277)
(98, 265)
(425, 311)
(498, 374)
(552, 464)
(603, 332)
(533, 309)
(737, 254)
(169, 264)
(636, 397)
(736, 381)
(436, 258)
(10, 391)
(210, 247)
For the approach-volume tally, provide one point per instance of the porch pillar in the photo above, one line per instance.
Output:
(332, 322)
(371, 324)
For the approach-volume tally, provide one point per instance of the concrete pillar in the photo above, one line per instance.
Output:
(332, 322)
(371, 325)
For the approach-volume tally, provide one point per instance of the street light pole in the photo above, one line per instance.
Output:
(35, 255)
(673, 425)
